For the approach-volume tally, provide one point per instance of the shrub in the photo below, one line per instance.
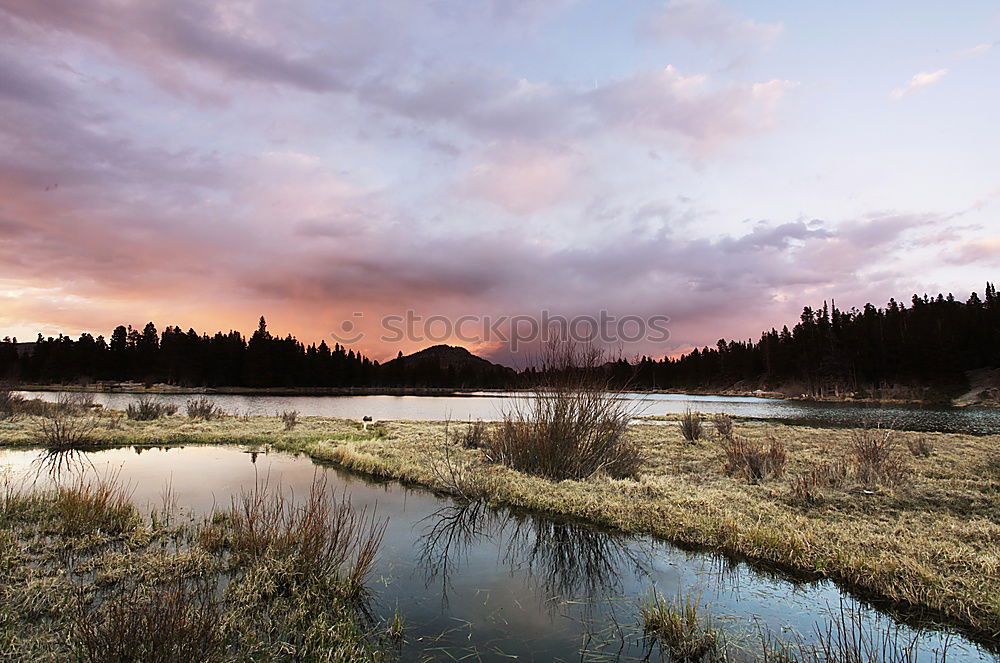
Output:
(723, 425)
(75, 403)
(691, 426)
(753, 459)
(920, 447)
(876, 456)
(203, 408)
(148, 409)
(61, 431)
(171, 621)
(572, 426)
(474, 435)
(290, 418)
(679, 628)
(9, 400)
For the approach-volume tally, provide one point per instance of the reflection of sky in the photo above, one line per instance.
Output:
(723, 163)
(496, 599)
(489, 407)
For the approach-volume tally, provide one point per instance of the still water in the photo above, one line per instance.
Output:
(480, 584)
(489, 406)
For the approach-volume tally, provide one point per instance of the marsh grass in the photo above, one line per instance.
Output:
(203, 408)
(95, 504)
(848, 638)
(86, 578)
(146, 408)
(691, 427)
(319, 537)
(571, 427)
(173, 621)
(755, 460)
(680, 627)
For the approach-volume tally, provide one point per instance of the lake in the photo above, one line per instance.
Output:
(481, 584)
(489, 406)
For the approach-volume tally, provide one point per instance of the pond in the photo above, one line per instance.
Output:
(481, 584)
(489, 406)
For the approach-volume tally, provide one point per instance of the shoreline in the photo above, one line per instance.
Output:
(920, 546)
(472, 392)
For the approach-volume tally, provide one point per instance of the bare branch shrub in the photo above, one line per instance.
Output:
(691, 425)
(290, 418)
(148, 409)
(203, 408)
(723, 425)
(572, 426)
(920, 447)
(877, 457)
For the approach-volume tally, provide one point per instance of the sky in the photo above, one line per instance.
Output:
(722, 164)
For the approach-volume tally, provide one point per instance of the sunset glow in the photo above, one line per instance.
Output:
(721, 163)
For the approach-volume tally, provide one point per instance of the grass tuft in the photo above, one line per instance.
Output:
(679, 627)
(691, 427)
(754, 459)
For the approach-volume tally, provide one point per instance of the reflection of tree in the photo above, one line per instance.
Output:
(564, 559)
(571, 560)
(56, 462)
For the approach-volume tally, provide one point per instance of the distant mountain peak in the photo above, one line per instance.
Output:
(444, 356)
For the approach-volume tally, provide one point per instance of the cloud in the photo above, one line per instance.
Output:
(707, 22)
(688, 106)
(522, 179)
(976, 51)
(919, 81)
(985, 250)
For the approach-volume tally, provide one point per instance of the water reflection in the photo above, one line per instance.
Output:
(564, 560)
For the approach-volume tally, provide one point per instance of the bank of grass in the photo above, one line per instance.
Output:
(84, 576)
(930, 541)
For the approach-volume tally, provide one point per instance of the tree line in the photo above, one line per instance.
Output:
(931, 343)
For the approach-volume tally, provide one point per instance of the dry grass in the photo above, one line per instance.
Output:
(320, 537)
(173, 621)
(930, 542)
(85, 578)
(755, 460)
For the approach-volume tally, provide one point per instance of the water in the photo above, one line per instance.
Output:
(480, 584)
(488, 406)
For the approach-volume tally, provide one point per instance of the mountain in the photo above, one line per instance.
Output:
(446, 365)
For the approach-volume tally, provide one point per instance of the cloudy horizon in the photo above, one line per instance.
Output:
(720, 163)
